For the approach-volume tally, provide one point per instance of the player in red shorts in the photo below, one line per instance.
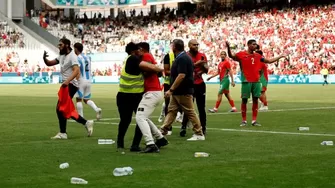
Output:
(250, 65)
(224, 70)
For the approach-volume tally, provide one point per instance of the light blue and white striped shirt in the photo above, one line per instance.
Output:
(85, 67)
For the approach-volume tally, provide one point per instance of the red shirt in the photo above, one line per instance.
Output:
(223, 69)
(151, 80)
(197, 70)
(251, 65)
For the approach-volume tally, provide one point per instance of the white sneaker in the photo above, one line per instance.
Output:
(89, 127)
(180, 119)
(61, 136)
(169, 133)
(196, 137)
(264, 108)
(99, 114)
(160, 119)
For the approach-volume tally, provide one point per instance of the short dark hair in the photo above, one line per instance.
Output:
(179, 44)
(79, 47)
(144, 45)
(251, 41)
(258, 50)
(131, 47)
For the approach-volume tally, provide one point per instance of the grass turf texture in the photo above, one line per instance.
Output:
(238, 159)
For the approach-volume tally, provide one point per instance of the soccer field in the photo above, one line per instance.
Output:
(274, 155)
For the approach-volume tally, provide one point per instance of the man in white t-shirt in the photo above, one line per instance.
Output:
(69, 70)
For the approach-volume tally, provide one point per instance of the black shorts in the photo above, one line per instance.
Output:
(325, 76)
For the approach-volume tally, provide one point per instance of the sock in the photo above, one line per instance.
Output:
(217, 104)
(80, 108)
(91, 104)
(265, 103)
(80, 120)
(178, 115)
(163, 109)
(244, 112)
(254, 111)
(232, 104)
(263, 100)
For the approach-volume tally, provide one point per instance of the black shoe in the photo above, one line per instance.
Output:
(150, 149)
(162, 142)
(135, 149)
(182, 132)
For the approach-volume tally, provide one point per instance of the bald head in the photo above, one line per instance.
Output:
(193, 45)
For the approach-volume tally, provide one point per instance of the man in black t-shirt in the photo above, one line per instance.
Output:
(181, 91)
(128, 101)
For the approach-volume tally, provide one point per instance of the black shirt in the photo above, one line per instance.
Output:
(133, 65)
(183, 64)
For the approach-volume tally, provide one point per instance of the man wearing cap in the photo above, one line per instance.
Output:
(69, 70)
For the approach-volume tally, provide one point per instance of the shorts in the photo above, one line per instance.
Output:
(84, 91)
(253, 88)
(224, 86)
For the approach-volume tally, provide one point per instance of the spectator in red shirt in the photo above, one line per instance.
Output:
(151, 98)
(200, 67)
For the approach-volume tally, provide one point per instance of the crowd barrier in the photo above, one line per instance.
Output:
(55, 78)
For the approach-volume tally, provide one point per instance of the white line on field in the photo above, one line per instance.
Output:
(228, 113)
(241, 130)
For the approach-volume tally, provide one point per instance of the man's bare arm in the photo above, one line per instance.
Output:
(49, 62)
(273, 60)
(177, 82)
(230, 54)
(148, 67)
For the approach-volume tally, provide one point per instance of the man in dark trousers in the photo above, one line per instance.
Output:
(181, 92)
(69, 69)
(130, 94)
(200, 67)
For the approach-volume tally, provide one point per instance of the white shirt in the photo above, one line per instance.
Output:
(66, 63)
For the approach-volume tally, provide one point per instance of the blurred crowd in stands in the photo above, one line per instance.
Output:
(306, 33)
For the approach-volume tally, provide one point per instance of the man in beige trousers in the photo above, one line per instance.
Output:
(181, 91)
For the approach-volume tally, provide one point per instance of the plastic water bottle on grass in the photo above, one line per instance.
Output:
(106, 141)
(327, 143)
(125, 171)
(303, 128)
(75, 180)
(201, 154)
(64, 165)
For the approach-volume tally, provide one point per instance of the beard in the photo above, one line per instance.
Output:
(63, 51)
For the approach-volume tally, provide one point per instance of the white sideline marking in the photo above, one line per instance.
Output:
(228, 113)
(241, 130)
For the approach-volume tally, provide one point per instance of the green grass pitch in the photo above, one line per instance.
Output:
(272, 158)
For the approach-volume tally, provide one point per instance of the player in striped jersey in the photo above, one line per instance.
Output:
(85, 80)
